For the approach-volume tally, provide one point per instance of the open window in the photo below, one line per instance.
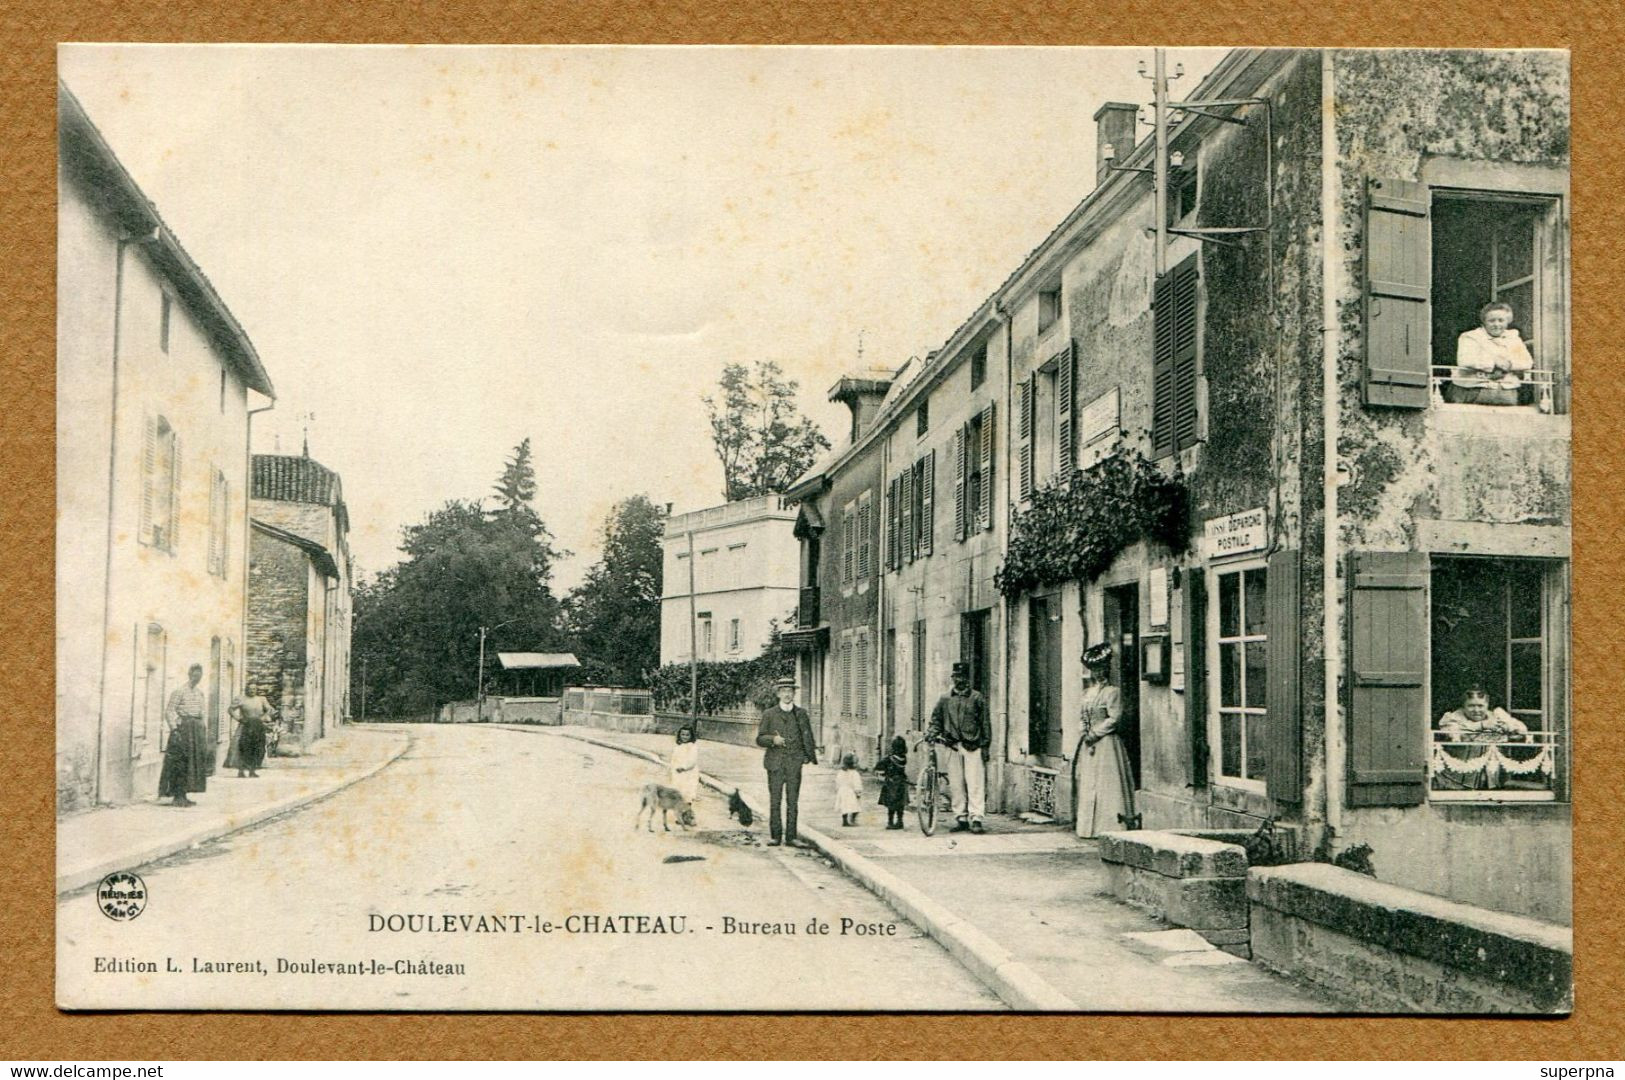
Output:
(1434, 257)
(1495, 689)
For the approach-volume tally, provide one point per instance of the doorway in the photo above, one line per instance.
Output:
(1044, 677)
(1122, 621)
(973, 648)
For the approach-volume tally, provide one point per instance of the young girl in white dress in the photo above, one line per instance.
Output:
(684, 773)
(848, 790)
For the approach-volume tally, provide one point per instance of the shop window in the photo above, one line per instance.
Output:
(1495, 722)
(1239, 677)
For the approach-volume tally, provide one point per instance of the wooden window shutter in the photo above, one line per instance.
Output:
(893, 512)
(846, 677)
(865, 531)
(928, 487)
(1282, 699)
(1186, 291)
(1195, 585)
(1388, 722)
(215, 514)
(1066, 378)
(1398, 323)
(1024, 433)
(847, 516)
(961, 463)
(908, 515)
(1164, 382)
(174, 490)
(985, 511)
(862, 703)
(225, 526)
(149, 477)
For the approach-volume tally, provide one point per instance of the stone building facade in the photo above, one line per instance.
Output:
(299, 596)
(1360, 547)
(155, 380)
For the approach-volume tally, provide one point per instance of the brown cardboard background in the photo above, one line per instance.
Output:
(32, 1028)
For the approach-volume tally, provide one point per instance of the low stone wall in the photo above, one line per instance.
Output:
(525, 710)
(736, 728)
(1385, 948)
(1188, 880)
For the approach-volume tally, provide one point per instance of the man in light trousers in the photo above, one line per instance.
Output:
(960, 723)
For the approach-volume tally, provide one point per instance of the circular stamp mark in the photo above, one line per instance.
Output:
(122, 895)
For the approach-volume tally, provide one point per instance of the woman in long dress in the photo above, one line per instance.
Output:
(254, 715)
(684, 772)
(1105, 785)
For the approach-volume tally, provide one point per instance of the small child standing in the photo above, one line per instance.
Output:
(848, 789)
(894, 785)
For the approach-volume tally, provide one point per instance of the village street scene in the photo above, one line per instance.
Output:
(814, 530)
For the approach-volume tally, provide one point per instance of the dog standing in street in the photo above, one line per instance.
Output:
(664, 799)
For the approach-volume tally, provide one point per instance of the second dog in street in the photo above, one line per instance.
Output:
(666, 800)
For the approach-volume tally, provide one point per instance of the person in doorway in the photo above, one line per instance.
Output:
(894, 782)
(186, 755)
(786, 734)
(848, 790)
(684, 772)
(1103, 781)
(254, 716)
(1492, 363)
(959, 722)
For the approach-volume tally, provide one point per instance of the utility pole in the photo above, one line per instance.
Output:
(363, 689)
(479, 681)
(693, 647)
(1159, 178)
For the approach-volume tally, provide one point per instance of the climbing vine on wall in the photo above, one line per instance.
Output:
(1077, 526)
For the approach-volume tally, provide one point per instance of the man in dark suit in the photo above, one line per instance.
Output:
(787, 734)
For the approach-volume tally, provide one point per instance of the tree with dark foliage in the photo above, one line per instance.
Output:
(760, 436)
(417, 624)
(615, 613)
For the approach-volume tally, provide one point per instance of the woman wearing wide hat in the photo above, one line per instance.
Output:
(1104, 783)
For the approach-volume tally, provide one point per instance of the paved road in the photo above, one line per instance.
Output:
(533, 833)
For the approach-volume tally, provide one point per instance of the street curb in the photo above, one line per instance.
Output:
(1016, 984)
(76, 879)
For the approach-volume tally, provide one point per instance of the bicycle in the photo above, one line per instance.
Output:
(931, 793)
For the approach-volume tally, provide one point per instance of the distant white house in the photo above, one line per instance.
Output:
(746, 572)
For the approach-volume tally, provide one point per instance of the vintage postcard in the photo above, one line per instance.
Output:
(822, 529)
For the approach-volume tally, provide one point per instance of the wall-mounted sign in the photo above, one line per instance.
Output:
(1098, 424)
(1159, 596)
(1236, 534)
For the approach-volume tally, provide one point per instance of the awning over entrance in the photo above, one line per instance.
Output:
(532, 661)
(809, 640)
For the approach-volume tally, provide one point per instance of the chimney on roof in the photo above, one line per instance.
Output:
(863, 394)
(1114, 127)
